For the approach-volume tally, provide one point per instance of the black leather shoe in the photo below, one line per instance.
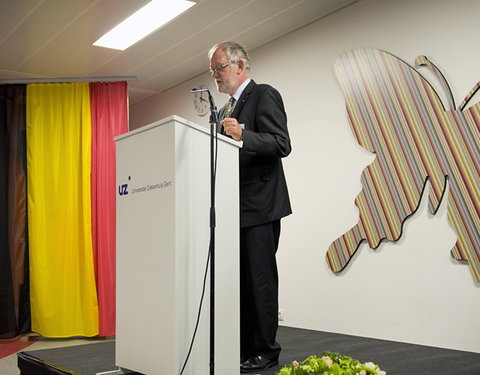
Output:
(257, 363)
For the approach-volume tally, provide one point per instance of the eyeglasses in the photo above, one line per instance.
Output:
(218, 69)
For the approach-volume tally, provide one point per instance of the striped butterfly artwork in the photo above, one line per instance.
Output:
(396, 113)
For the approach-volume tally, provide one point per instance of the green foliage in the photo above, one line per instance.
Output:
(331, 363)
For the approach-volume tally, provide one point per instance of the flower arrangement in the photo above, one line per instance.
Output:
(331, 363)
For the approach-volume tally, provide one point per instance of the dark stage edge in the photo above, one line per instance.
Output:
(393, 357)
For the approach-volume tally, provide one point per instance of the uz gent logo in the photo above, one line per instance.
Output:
(123, 189)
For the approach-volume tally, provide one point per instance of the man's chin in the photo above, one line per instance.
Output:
(221, 87)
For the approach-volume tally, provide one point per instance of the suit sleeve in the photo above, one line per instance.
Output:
(269, 137)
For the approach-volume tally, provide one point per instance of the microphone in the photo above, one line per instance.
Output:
(199, 90)
(194, 90)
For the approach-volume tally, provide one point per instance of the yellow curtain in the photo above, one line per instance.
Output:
(63, 293)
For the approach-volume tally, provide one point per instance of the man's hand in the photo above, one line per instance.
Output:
(232, 128)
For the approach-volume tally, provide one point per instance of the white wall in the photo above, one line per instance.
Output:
(410, 291)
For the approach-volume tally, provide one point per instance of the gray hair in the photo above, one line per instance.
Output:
(234, 51)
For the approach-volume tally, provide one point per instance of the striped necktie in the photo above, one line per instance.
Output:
(229, 108)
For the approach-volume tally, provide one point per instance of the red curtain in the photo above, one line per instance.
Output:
(108, 101)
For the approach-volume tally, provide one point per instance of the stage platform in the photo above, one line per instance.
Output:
(393, 357)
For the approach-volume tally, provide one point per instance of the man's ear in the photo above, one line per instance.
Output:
(241, 66)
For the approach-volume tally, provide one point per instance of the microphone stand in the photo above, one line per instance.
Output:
(213, 137)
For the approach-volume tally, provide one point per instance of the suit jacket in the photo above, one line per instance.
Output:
(263, 188)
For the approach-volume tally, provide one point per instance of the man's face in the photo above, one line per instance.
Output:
(226, 78)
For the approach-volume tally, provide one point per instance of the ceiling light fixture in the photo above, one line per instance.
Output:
(142, 23)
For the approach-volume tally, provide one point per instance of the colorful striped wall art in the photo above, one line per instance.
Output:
(395, 113)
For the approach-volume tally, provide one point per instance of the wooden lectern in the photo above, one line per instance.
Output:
(163, 230)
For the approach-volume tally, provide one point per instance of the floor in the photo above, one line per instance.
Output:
(395, 358)
(8, 365)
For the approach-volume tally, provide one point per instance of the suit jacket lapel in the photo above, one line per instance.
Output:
(243, 98)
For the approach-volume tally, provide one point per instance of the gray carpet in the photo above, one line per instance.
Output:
(393, 357)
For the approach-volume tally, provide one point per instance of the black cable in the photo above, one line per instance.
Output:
(199, 312)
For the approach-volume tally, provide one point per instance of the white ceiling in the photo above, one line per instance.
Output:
(43, 39)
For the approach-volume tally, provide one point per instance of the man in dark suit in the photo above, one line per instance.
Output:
(257, 118)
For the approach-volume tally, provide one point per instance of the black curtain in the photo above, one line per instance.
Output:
(14, 280)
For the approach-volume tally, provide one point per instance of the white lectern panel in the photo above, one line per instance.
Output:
(163, 230)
